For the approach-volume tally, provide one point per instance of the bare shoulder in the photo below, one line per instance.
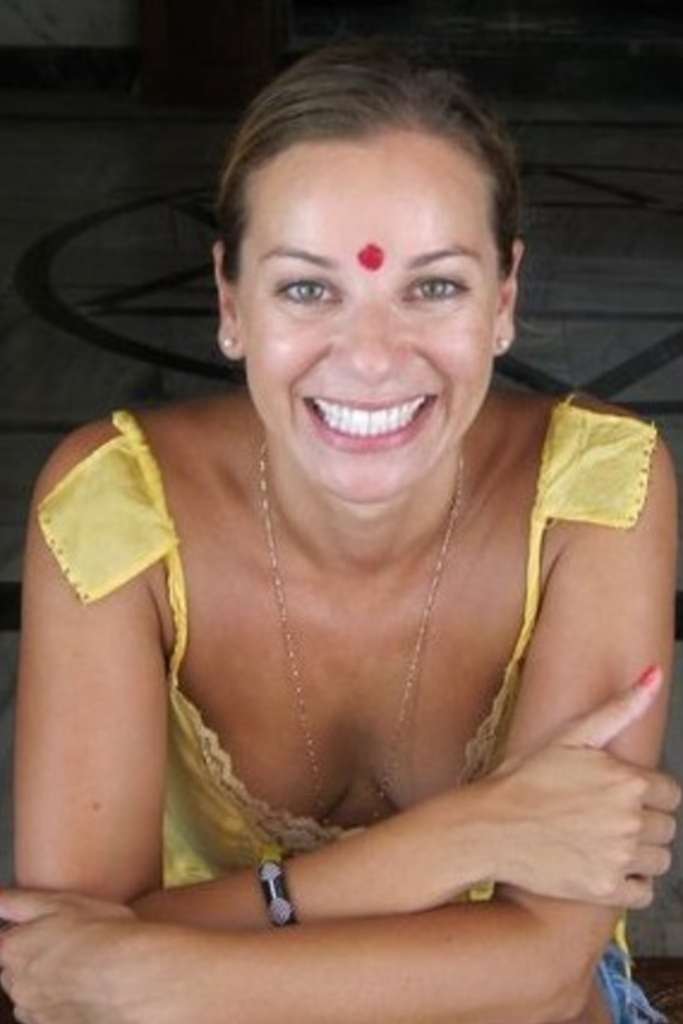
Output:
(510, 433)
(218, 428)
(518, 416)
(201, 440)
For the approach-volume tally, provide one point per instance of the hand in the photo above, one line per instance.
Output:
(71, 960)
(581, 824)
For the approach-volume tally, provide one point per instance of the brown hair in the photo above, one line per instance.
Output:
(355, 90)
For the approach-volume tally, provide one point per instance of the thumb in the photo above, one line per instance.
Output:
(599, 727)
(17, 906)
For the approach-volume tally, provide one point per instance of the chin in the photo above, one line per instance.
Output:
(367, 482)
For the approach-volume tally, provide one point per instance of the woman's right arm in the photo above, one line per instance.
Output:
(90, 740)
(90, 763)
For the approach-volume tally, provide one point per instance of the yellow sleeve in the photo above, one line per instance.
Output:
(596, 467)
(104, 521)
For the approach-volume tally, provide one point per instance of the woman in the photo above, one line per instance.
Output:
(381, 662)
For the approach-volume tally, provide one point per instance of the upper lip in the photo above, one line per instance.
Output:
(371, 405)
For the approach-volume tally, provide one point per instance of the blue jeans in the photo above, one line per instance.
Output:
(627, 1002)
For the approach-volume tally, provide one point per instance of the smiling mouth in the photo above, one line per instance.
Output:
(356, 422)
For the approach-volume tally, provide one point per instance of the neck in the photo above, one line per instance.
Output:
(333, 534)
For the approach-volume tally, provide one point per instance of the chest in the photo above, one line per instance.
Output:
(350, 700)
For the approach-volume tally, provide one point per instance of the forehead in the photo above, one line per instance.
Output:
(398, 180)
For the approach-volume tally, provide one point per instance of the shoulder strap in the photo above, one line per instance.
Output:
(595, 467)
(106, 521)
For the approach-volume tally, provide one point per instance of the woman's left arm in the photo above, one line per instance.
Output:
(607, 613)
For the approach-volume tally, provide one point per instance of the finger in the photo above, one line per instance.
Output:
(658, 829)
(20, 905)
(636, 893)
(650, 861)
(663, 793)
(601, 726)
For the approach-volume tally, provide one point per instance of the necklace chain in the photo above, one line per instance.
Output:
(391, 763)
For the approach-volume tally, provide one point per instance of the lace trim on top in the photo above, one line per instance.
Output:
(480, 747)
(293, 832)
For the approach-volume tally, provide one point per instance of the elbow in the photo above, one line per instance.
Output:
(567, 943)
(568, 991)
(559, 993)
(81, 881)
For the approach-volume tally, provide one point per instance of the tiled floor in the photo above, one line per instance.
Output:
(107, 297)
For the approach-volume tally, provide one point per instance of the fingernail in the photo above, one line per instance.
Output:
(650, 677)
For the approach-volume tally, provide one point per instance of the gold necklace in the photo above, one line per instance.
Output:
(384, 785)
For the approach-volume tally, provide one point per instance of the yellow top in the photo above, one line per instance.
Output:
(107, 521)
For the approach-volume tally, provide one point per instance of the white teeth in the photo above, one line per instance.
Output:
(359, 422)
(367, 422)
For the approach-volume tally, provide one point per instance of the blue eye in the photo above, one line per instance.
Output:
(435, 289)
(304, 292)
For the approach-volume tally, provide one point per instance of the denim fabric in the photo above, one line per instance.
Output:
(627, 1002)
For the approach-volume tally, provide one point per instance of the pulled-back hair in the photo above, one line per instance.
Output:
(354, 91)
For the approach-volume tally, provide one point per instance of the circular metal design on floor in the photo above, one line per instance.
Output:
(148, 261)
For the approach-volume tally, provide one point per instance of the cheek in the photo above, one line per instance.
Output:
(467, 364)
(278, 348)
(463, 345)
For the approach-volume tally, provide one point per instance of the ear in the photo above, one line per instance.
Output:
(504, 332)
(229, 340)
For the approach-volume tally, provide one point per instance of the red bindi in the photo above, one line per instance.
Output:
(371, 257)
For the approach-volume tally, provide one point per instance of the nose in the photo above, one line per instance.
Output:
(374, 345)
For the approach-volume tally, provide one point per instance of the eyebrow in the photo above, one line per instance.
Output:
(442, 254)
(300, 254)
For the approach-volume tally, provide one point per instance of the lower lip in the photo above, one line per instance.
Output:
(377, 443)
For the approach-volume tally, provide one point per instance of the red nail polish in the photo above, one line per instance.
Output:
(650, 676)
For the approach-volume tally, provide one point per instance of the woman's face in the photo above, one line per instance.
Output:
(369, 307)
